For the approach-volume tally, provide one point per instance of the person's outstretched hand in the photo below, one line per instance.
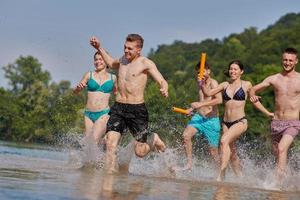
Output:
(95, 42)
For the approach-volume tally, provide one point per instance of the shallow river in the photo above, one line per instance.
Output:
(41, 172)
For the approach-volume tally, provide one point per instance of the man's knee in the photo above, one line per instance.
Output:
(285, 144)
(281, 149)
(141, 149)
(187, 139)
(187, 135)
(111, 142)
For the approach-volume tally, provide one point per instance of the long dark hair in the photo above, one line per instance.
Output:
(238, 63)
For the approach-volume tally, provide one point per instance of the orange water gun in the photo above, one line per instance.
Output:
(181, 111)
(201, 68)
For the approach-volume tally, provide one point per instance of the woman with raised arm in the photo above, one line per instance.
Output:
(99, 83)
(234, 123)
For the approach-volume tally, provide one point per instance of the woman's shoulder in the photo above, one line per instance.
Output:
(246, 82)
(88, 74)
(112, 75)
(224, 84)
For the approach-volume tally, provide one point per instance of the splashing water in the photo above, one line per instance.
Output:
(83, 151)
(254, 176)
(258, 170)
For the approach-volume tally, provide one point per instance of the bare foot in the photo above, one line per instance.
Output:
(280, 176)
(221, 175)
(159, 144)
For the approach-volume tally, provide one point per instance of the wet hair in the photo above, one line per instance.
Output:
(135, 38)
(291, 50)
(238, 63)
(206, 66)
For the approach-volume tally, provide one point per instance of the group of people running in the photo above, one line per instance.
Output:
(129, 110)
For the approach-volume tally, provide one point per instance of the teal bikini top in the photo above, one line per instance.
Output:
(106, 87)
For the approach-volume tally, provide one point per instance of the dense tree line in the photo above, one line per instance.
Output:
(33, 110)
(259, 51)
(36, 109)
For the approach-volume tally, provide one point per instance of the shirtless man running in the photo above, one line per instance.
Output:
(205, 121)
(285, 125)
(129, 110)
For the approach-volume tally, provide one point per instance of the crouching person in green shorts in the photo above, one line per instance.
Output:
(205, 120)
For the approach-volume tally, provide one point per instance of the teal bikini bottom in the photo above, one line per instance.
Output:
(95, 115)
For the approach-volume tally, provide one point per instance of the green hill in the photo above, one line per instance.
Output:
(259, 51)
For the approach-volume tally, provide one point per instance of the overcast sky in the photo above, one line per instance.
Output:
(57, 32)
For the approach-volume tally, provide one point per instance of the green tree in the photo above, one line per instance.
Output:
(65, 107)
(9, 110)
(37, 111)
(259, 51)
(24, 72)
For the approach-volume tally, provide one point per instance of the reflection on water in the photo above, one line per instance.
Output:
(45, 173)
(96, 184)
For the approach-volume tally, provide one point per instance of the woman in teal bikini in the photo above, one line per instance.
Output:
(234, 122)
(99, 83)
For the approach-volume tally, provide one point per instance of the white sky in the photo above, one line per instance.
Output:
(57, 32)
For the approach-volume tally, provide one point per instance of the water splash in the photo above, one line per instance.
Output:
(83, 151)
(258, 168)
(257, 172)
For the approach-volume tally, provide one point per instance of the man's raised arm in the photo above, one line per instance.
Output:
(110, 61)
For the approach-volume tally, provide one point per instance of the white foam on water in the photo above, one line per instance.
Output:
(258, 171)
(89, 154)
(254, 175)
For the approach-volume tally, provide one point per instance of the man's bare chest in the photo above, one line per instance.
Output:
(129, 73)
(288, 87)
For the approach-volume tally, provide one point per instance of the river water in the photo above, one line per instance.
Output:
(43, 172)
